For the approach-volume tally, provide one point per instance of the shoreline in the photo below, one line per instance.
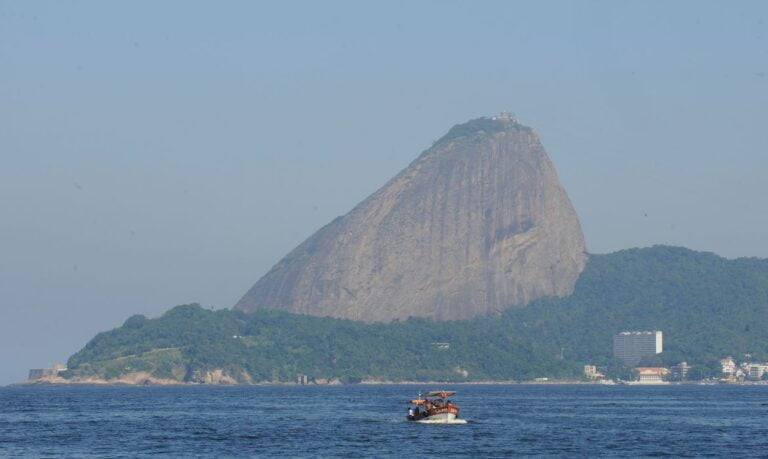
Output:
(165, 382)
(58, 381)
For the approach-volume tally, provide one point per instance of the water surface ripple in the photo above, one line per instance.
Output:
(369, 421)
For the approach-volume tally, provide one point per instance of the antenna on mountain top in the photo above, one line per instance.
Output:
(506, 116)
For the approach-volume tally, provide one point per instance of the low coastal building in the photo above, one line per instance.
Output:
(651, 375)
(37, 374)
(591, 372)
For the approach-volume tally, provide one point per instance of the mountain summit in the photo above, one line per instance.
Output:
(476, 224)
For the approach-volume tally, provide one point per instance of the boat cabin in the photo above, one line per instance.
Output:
(433, 406)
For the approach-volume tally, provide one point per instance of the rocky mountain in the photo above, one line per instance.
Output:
(476, 224)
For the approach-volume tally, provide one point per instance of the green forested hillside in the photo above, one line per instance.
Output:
(276, 346)
(707, 307)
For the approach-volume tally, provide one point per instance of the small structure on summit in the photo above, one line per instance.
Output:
(506, 116)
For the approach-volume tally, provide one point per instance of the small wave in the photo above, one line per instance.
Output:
(444, 421)
(383, 420)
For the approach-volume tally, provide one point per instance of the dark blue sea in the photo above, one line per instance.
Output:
(369, 421)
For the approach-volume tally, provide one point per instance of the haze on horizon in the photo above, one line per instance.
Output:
(156, 154)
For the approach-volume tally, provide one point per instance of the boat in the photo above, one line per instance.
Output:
(434, 407)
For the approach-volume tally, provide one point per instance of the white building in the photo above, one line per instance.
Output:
(590, 371)
(632, 346)
(651, 375)
(729, 367)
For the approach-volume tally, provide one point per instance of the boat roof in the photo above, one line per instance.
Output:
(440, 393)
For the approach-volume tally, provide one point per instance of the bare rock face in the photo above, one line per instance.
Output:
(476, 224)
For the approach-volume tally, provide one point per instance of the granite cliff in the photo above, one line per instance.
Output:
(476, 224)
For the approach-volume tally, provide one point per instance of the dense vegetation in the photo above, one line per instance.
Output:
(708, 307)
(277, 346)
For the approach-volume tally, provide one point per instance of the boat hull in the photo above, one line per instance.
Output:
(441, 417)
(439, 414)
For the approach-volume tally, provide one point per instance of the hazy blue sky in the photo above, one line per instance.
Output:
(157, 153)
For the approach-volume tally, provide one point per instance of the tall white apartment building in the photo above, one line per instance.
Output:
(632, 346)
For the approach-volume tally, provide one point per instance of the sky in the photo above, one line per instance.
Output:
(162, 153)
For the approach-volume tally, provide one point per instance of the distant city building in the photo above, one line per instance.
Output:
(680, 371)
(632, 346)
(651, 375)
(755, 372)
(728, 366)
(591, 372)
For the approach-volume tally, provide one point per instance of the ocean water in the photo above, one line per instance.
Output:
(369, 421)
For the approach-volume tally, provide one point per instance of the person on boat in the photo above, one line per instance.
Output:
(410, 413)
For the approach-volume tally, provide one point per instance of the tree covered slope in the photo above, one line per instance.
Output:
(707, 306)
